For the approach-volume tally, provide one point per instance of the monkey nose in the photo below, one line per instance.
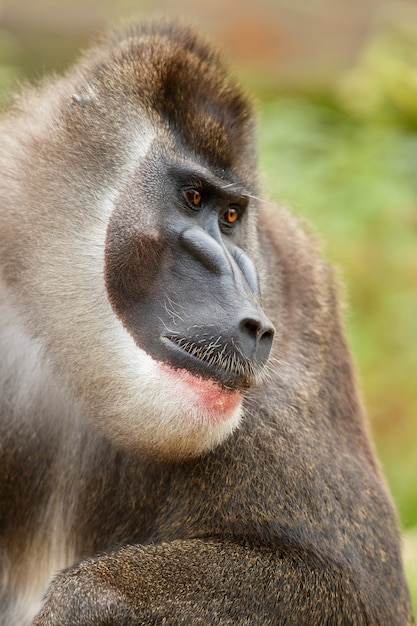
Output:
(255, 334)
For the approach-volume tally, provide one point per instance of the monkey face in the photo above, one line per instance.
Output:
(179, 279)
(138, 274)
(182, 285)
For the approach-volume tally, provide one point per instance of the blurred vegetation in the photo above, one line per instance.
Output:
(350, 167)
(347, 161)
(358, 183)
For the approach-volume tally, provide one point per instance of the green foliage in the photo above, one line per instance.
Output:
(384, 83)
(357, 182)
(9, 70)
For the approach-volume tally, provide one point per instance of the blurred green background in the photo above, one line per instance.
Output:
(336, 84)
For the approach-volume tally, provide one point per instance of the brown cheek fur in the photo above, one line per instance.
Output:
(131, 267)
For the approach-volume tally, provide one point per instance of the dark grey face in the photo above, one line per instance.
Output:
(178, 277)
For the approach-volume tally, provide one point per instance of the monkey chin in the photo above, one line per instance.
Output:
(216, 403)
(200, 414)
(168, 414)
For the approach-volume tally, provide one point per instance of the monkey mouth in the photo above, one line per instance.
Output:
(220, 362)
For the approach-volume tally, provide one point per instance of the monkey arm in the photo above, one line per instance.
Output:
(194, 582)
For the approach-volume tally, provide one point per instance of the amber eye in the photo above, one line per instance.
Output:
(194, 197)
(231, 214)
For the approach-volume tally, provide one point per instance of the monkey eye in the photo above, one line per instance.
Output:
(193, 197)
(231, 214)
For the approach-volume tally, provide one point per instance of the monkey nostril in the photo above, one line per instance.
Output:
(250, 325)
(256, 328)
(256, 335)
(267, 335)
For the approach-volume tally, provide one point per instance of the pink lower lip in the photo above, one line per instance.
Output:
(207, 393)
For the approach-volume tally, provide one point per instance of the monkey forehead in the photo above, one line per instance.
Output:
(178, 79)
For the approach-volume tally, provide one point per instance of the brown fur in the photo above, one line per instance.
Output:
(288, 521)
